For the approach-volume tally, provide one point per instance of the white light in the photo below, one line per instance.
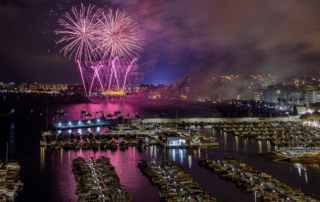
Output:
(59, 124)
(98, 120)
(79, 122)
(69, 122)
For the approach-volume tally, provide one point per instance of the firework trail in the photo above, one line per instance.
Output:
(125, 77)
(96, 74)
(119, 36)
(80, 33)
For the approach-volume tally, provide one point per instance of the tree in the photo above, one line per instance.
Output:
(284, 100)
(295, 111)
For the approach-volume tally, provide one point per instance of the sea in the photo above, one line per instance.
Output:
(47, 175)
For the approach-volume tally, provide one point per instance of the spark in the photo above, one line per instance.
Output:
(80, 33)
(119, 36)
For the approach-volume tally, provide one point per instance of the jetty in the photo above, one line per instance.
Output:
(265, 187)
(173, 183)
(98, 181)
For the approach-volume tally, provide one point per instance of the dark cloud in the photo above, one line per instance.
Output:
(182, 37)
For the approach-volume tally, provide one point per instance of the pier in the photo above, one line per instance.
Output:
(265, 187)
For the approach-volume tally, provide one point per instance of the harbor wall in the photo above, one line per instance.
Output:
(217, 120)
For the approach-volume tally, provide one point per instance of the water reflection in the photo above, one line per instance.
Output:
(173, 154)
(181, 156)
(225, 140)
(237, 143)
(268, 146)
(42, 159)
(151, 152)
(155, 152)
(11, 141)
(190, 161)
(245, 144)
(305, 175)
(199, 152)
(260, 146)
(61, 155)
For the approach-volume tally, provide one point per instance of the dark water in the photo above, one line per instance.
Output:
(47, 174)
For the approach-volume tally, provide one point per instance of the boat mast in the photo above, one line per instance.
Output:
(7, 160)
(47, 119)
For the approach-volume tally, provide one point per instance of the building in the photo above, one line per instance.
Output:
(312, 96)
(174, 139)
(32, 87)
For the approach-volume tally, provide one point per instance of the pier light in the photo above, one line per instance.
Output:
(70, 131)
(60, 124)
(261, 185)
(89, 121)
(181, 190)
(241, 174)
(98, 120)
(69, 122)
(189, 197)
(59, 131)
(250, 178)
(79, 122)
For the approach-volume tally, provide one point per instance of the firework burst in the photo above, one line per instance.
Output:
(119, 36)
(80, 33)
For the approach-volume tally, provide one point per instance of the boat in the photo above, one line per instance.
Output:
(61, 113)
(141, 143)
(123, 145)
(83, 111)
(117, 112)
(113, 145)
(109, 115)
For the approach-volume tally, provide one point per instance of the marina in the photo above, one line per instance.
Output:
(10, 184)
(264, 187)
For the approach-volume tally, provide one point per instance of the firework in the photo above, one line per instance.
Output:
(96, 74)
(80, 33)
(119, 36)
(92, 36)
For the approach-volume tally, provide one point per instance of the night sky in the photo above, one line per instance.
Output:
(182, 38)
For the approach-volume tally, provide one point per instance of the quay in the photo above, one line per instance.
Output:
(88, 123)
(265, 187)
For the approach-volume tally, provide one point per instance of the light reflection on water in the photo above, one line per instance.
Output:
(59, 178)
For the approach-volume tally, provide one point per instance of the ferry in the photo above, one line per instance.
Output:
(102, 121)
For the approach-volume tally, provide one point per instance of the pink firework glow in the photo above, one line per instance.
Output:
(80, 32)
(119, 36)
(96, 74)
(105, 46)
